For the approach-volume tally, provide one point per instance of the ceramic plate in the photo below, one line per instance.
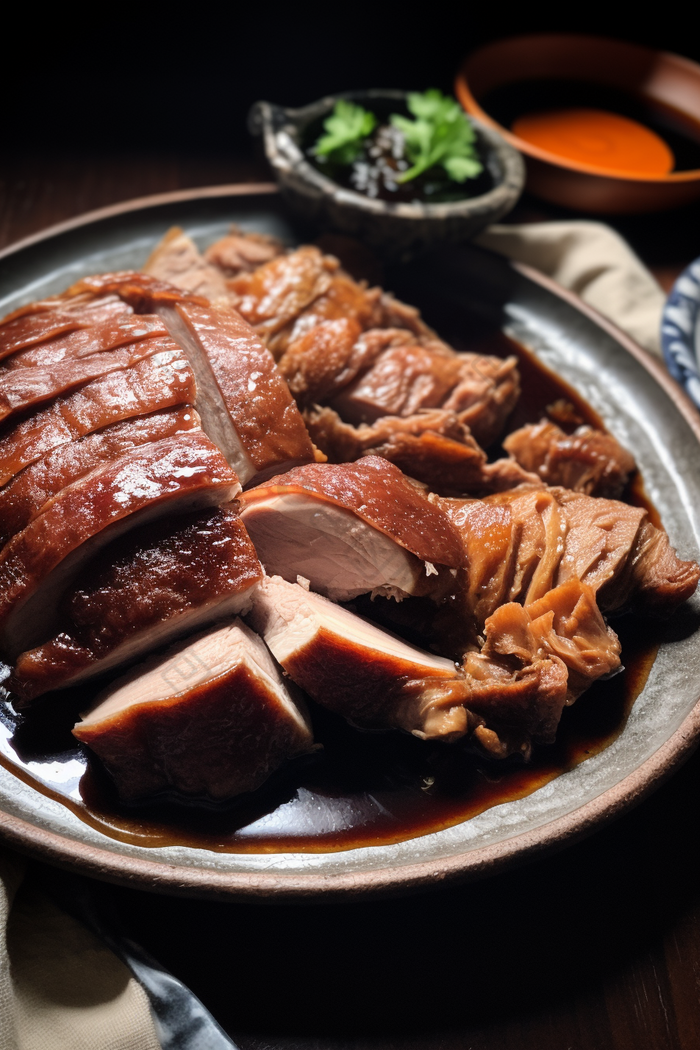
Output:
(639, 404)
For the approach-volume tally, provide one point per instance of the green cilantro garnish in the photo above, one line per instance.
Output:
(346, 127)
(440, 134)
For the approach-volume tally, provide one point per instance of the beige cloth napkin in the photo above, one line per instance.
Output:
(60, 988)
(593, 261)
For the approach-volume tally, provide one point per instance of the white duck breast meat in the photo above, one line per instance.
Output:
(210, 719)
(25, 495)
(357, 670)
(174, 475)
(24, 388)
(156, 382)
(50, 318)
(158, 583)
(245, 403)
(103, 335)
(352, 529)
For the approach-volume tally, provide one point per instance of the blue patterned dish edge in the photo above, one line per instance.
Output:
(680, 331)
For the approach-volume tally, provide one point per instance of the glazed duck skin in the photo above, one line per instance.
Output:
(211, 719)
(154, 383)
(246, 404)
(51, 318)
(357, 670)
(26, 388)
(173, 475)
(352, 529)
(109, 334)
(25, 495)
(145, 589)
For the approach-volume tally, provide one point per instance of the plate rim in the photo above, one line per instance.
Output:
(197, 881)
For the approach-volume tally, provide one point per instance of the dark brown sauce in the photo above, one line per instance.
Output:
(362, 789)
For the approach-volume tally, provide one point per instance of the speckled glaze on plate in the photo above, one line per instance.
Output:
(680, 331)
(637, 400)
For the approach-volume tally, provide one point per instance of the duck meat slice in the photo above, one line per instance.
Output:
(50, 318)
(157, 382)
(274, 295)
(174, 475)
(343, 298)
(244, 402)
(350, 666)
(210, 719)
(617, 551)
(400, 382)
(537, 659)
(22, 389)
(434, 447)
(589, 461)
(158, 583)
(242, 252)
(352, 529)
(25, 495)
(480, 389)
(177, 260)
(104, 335)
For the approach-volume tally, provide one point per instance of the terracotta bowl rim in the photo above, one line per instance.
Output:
(471, 105)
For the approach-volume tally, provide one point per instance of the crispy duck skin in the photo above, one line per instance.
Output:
(103, 335)
(246, 405)
(157, 382)
(25, 495)
(173, 475)
(145, 589)
(589, 461)
(211, 719)
(51, 318)
(143, 293)
(350, 666)
(23, 389)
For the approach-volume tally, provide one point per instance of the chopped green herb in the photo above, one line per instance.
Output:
(440, 134)
(346, 127)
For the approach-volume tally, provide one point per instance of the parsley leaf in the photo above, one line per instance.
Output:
(440, 134)
(346, 128)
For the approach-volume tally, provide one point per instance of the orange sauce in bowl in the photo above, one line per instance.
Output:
(607, 141)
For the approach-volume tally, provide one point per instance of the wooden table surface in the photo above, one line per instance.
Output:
(596, 947)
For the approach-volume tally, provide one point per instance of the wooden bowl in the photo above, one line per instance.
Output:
(665, 82)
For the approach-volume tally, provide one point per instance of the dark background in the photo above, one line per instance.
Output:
(156, 78)
(595, 948)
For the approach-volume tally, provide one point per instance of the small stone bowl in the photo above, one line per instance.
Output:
(393, 229)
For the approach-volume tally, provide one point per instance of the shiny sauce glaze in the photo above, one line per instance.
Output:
(361, 789)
